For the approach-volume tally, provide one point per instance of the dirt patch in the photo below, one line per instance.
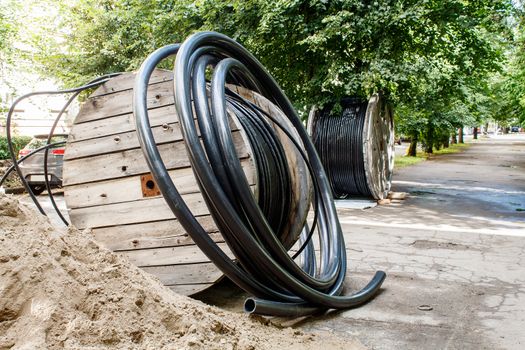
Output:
(60, 289)
(426, 244)
(12, 181)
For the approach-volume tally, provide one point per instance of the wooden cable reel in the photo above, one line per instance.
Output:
(374, 139)
(108, 187)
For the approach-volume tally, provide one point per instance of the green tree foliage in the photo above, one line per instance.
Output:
(432, 58)
(18, 143)
(7, 35)
(106, 36)
(508, 88)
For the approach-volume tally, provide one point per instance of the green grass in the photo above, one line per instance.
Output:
(404, 161)
(455, 148)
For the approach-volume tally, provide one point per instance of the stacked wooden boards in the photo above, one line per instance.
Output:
(108, 187)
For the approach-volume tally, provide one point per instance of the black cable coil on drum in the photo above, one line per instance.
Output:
(263, 265)
(339, 143)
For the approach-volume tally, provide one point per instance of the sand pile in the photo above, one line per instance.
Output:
(59, 289)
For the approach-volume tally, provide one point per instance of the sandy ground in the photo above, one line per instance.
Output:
(60, 290)
(454, 251)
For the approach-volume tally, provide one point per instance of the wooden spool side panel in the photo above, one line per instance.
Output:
(378, 135)
(118, 163)
(120, 124)
(378, 146)
(372, 148)
(388, 120)
(129, 188)
(103, 187)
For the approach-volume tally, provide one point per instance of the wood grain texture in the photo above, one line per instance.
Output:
(151, 209)
(167, 233)
(125, 82)
(121, 123)
(165, 256)
(106, 106)
(129, 189)
(131, 162)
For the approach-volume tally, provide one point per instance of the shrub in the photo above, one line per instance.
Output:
(18, 143)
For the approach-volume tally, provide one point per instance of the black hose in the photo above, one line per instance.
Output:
(250, 227)
(45, 147)
(339, 143)
(93, 83)
(46, 152)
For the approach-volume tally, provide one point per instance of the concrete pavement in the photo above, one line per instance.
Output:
(454, 252)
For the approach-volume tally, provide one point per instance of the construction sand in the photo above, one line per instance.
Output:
(60, 289)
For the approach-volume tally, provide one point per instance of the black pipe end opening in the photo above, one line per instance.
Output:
(249, 305)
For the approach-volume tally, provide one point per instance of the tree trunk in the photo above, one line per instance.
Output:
(454, 138)
(460, 135)
(475, 133)
(446, 143)
(412, 149)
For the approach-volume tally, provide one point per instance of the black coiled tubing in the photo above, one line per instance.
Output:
(15, 167)
(338, 139)
(250, 227)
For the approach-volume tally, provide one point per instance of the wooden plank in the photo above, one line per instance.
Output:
(190, 289)
(121, 142)
(146, 210)
(127, 80)
(185, 274)
(170, 256)
(129, 188)
(125, 141)
(118, 103)
(130, 162)
(145, 235)
(121, 123)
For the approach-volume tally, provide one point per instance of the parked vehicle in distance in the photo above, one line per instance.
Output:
(515, 129)
(33, 167)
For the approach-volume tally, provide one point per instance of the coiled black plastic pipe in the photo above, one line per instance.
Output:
(338, 139)
(263, 266)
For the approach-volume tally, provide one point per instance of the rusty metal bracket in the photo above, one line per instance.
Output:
(149, 186)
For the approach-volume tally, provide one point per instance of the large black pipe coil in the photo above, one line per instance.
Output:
(263, 266)
(356, 145)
